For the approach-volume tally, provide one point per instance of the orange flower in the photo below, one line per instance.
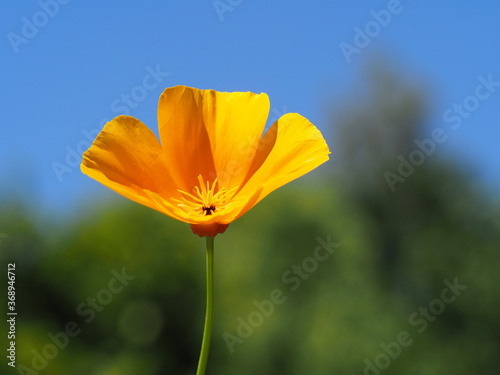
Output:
(213, 164)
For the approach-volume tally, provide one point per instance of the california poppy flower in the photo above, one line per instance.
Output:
(212, 163)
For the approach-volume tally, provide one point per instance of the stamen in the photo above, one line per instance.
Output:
(204, 200)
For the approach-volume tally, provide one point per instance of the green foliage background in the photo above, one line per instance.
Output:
(395, 249)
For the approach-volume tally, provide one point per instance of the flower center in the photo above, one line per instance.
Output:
(205, 199)
(208, 210)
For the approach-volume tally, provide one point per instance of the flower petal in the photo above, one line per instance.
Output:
(210, 133)
(291, 148)
(127, 157)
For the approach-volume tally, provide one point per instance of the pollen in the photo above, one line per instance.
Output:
(205, 199)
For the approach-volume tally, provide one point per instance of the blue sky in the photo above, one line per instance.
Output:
(67, 66)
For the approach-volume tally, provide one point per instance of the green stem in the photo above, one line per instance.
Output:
(207, 330)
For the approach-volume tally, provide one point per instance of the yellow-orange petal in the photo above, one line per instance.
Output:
(127, 158)
(210, 133)
(291, 148)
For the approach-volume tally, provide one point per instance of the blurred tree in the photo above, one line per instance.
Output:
(378, 122)
(431, 225)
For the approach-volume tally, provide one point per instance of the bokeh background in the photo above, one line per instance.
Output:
(406, 93)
